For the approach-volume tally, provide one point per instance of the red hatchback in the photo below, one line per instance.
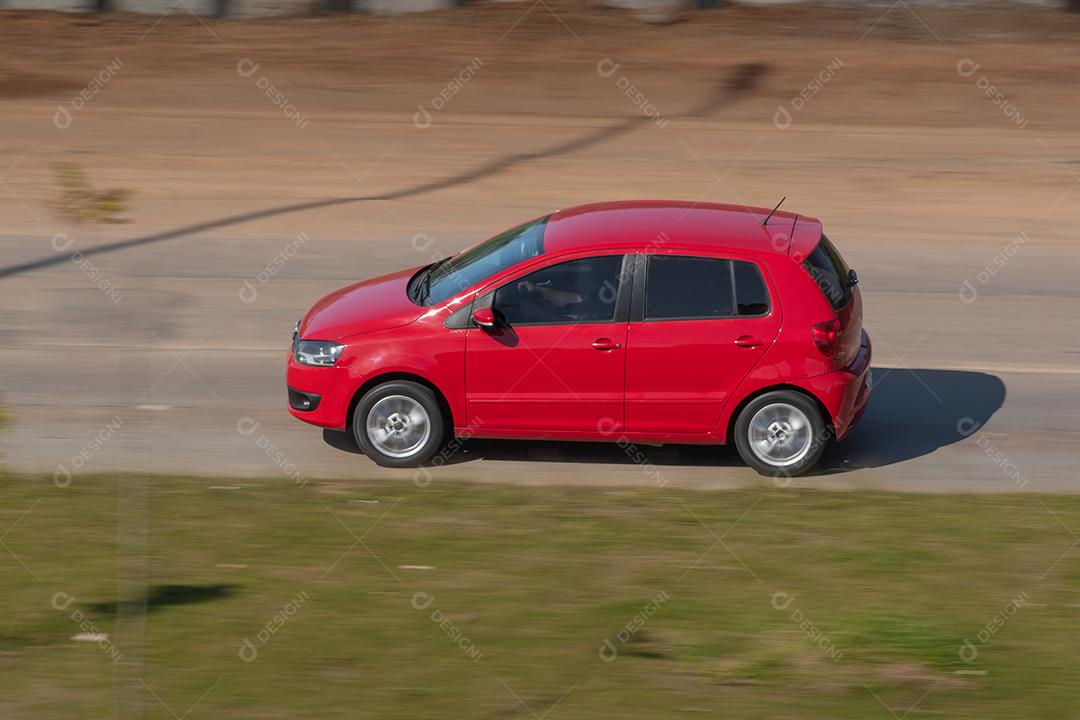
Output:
(652, 322)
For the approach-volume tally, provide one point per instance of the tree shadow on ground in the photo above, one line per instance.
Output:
(742, 80)
(158, 597)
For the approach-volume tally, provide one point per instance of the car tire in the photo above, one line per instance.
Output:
(399, 424)
(781, 434)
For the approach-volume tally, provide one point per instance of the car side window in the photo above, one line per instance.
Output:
(751, 295)
(680, 287)
(576, 291)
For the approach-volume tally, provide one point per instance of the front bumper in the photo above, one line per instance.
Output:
(327, 390)
(303, 401)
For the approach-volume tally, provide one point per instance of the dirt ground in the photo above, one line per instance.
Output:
(177, 121)
(930, 144)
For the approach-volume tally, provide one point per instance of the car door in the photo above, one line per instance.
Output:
(555, 361)
(698, 326)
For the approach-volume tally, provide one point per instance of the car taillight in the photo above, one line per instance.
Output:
(826, 336)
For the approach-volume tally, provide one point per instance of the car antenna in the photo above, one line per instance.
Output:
(769, 216)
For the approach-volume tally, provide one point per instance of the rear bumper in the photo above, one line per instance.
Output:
(857, 394)
(846, 392)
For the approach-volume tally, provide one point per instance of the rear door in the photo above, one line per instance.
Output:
(555, 362)
(699, 324)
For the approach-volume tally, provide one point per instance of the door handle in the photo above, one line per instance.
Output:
(748, 341)
(605, 344)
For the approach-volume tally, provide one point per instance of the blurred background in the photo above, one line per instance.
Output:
(180, 181)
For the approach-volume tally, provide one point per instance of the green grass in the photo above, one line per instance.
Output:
(536, 579)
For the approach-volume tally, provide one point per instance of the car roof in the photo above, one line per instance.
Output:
(675, 224)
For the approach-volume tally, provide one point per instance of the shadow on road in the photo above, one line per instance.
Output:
(911, 413)
(566, 451)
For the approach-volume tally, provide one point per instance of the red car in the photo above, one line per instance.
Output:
(633, 322)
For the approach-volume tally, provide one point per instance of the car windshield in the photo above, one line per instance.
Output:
(451, 276)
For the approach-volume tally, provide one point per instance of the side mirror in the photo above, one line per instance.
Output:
(484, 317)
(852, 278)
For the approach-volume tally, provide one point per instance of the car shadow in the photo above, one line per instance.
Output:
(912, 413)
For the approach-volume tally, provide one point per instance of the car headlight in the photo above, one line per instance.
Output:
(317, 352)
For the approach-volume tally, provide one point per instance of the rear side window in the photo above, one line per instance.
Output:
(829, 272)
(751, 297)
(697, 288)
(683, 288)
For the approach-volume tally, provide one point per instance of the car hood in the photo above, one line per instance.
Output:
(376, 304)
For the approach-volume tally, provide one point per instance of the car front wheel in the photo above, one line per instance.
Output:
(781, 434)
(399, 424)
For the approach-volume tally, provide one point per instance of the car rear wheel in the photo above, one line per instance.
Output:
(780, 433)
(399, 424)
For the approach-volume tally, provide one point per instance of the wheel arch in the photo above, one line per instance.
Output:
(440, 397)
(826, 416)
